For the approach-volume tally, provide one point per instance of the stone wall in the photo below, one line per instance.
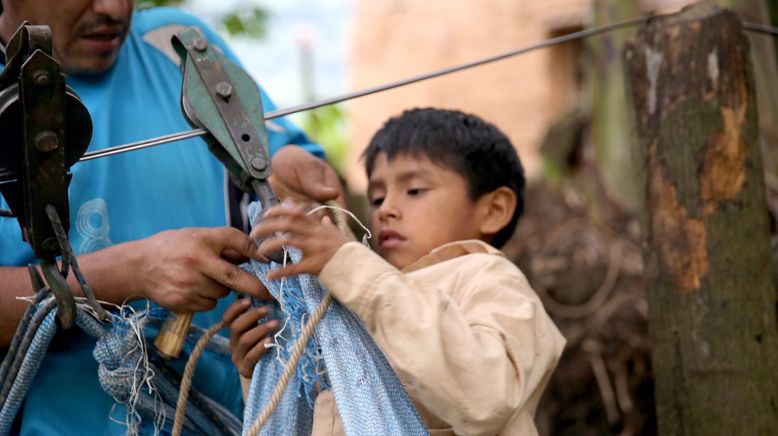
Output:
(394, 39)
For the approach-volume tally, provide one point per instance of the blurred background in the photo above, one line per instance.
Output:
(565, 110)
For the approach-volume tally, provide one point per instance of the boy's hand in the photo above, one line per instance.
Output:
(247, 338)
(316, 236)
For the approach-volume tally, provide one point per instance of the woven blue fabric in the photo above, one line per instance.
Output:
(123, 368)
(369, 396)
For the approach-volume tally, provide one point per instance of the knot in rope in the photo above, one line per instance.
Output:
(123, 370)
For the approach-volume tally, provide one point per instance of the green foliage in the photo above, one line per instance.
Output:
(250, 22)
(327, 125)
(152, 3)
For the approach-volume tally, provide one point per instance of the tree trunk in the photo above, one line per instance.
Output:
(705, 228)
(610, 122)
(772, 11)
(766, 74)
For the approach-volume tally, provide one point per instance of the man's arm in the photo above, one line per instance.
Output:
(108, 272)
(184, 270)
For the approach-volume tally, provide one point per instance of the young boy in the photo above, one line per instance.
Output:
(457, 321)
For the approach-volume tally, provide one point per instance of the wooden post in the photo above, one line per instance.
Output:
(766, 77)
(707, 254)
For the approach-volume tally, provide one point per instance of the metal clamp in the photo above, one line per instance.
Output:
(46, 129)
(222, 98)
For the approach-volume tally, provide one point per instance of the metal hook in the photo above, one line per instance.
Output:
(66, 303)
(35, 278)
(69, 260)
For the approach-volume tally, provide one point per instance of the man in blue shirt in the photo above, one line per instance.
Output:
(152, 224)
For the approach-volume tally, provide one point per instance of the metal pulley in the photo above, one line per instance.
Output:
(12, 126)
(46, 129)
(220, 97)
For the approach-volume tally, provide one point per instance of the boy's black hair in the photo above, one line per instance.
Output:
(472, 147)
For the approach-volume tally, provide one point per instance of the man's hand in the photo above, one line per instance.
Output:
(247, 337)
(187, 270)
(302, 176)
(317, 237)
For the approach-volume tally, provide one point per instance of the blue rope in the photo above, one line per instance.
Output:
(122, 363)
(29, 367)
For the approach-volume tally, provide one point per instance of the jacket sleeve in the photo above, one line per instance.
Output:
(476, 357)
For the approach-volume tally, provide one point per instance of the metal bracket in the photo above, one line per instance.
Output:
(222, 98)
(42, 90)
(219, 96)
(45, 130)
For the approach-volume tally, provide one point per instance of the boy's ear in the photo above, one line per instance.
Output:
(497, 209)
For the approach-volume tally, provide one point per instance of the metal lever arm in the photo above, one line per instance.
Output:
(45, 130)
(220, 97)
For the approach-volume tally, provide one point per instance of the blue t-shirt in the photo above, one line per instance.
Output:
(129, 197)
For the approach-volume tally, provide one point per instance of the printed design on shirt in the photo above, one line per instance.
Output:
(93, 225)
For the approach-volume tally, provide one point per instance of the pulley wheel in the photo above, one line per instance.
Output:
(78, 131)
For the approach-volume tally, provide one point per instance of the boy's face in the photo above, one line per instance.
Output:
(417, 205)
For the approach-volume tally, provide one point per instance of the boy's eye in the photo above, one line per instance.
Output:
(415, 191)
(377, 201)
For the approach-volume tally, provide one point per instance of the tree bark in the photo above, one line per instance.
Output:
(705, 225)
(766, 76)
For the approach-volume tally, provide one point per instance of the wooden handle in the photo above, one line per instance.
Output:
(171, 336)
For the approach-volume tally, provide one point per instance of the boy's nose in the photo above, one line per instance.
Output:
(388, 210)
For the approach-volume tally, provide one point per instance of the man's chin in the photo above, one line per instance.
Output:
(94, 65)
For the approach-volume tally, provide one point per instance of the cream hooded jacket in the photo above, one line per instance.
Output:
(468, 337)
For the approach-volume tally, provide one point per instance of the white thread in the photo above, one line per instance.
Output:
(135, 321)
(147, 372)
(29, 298)
(367, 234)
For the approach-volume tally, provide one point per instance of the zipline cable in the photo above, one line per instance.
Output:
(760, 28)
(147, 143)
(375, 89)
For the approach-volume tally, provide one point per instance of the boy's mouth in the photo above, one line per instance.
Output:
(389, 239)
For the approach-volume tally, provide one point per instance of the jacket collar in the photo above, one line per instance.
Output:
(450, 251)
